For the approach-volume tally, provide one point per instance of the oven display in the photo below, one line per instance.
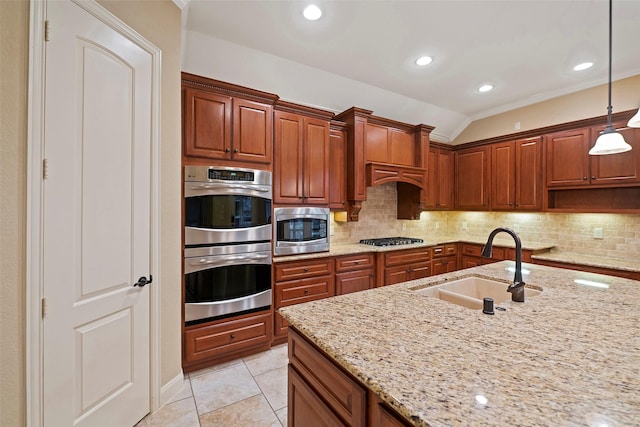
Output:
(227, 175)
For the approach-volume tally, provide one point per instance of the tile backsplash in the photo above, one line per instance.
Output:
(568, 232)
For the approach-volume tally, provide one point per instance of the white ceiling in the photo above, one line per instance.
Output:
(526, 48)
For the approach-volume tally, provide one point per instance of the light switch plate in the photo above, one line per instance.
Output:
(598, 233)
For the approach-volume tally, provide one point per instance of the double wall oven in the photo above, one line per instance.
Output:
(227, 255)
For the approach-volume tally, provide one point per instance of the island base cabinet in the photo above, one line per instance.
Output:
(321, 393)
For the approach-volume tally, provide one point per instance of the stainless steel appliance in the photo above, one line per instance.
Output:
(224, 280)
(300, 230)
(227, 255)
(226, 205)
(390, 241)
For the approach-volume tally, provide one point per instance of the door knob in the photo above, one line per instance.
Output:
(143, 281)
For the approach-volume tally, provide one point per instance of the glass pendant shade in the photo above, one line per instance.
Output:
(610, 142)
(634, 122)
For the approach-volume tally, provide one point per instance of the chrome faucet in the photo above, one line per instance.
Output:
(517, 287)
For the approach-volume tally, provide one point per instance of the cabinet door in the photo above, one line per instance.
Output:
(393, 275)
(503, 177)
(445, 180)
(621, 168)
(431, 196)
(444, 265)
(402, 148)
(472, 176)
(468, 262)
(337, 170)
(376, 144)
(567, 158)
(528, 173)
(288, 168)
(305, 407)
(207, 124)
(354, 281)
(316, 161)
(252, 131)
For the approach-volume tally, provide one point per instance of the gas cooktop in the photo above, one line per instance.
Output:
(390, 241)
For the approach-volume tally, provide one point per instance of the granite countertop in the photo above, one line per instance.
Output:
(428, 241)
(569, 356)
(590, 260)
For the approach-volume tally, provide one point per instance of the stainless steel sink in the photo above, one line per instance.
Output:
(470, 291)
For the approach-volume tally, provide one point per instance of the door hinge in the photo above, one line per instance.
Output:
(43, 307)
(46, 31)
(45, 169)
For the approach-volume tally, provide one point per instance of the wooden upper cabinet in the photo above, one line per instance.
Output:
(389, 145)
(567, 158)
(439, 192)
(503, 177)
(207, 124)
(622, 168)
(569, 163)
(252, 131)
(226, 122)
(337, 167)
(528, 172)
(516, 175)
(301, 164)
(472, 178)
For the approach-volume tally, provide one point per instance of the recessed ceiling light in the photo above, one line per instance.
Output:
(485, 88)
(424, 60)
(312, 12)
(583, 66)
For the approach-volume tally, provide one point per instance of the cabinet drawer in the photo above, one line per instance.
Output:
(341, 393)
(407, 256)
(226, 337)
(354, 262)
(303, 269)
(471, 250)
(444, 250)
(303, 290)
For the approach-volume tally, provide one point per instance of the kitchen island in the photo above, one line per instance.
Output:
(569, 356)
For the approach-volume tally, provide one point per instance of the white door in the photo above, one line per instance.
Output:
(96, 227)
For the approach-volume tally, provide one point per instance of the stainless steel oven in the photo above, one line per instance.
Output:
(228, 230)
(227, 279)
(298, 230)
(226, 205)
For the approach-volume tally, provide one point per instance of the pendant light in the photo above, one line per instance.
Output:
(610, 141)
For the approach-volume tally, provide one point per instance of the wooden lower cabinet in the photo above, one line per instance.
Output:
(445, 264)
(406, 264)
(321, 393)
(297, 282)
(355, 273)
(226, 339)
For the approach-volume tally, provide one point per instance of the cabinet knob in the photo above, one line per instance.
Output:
(306, 291)
(306, 270)
(226, 150)
(235, 150)
(356, 262)
(232, 336)
(584, 178)
(593, 177)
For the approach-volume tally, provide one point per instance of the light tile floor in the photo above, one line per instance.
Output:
(251, 391)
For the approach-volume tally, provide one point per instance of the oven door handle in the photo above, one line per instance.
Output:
(227, 259)
(228, 186)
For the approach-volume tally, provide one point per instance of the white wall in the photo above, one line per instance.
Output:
(222, 60)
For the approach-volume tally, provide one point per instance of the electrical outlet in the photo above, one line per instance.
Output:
(598, 233)
(332, 230)
(465, 226)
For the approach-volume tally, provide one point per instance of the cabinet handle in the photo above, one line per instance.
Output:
(226, 150)
(232, 336)
(306, 291)
(593, 177)
(235, 150)
(356, 262)
(584, 178)
(306, 270)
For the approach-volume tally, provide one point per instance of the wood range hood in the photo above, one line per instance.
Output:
(379, 151)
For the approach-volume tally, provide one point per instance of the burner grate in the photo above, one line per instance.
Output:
(390, 241)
